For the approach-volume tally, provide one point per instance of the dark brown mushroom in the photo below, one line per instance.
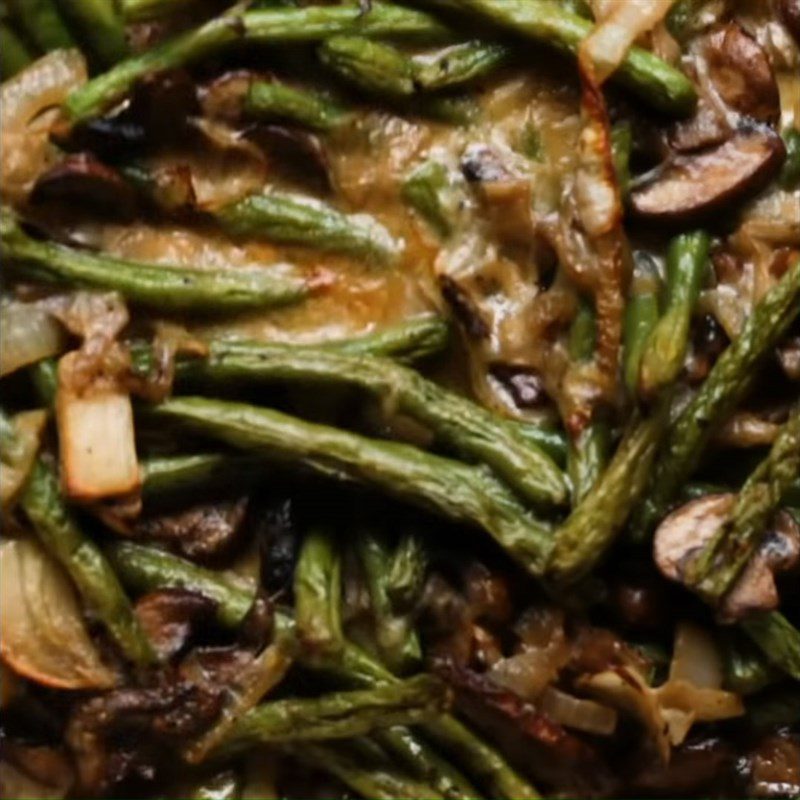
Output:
(128, 735)
(690, 188)
(737, 82)
(202, 531)
(170, 617)
(790, 13)
(82, 181)
(684, 532)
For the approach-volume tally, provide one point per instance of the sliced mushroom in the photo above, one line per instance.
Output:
(464, 307)
(688, 529)
(689, 188)
(684, 532)
(83, 181)
(524, 385)
(756, 590)
(741, 73)
(170, 616)
(202, 531)
(735, 80)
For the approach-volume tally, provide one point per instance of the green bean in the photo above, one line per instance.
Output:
(589, 449)
(733, 375)
(458, 491)
(44, 378)
(713, 571)
(790, 173)
(339, 715)
(666, 347)
(14, 53)
(641, 316)
(778, 640)
(655, 82)
(591, 528)
(293, 219)
(148, 10)
(272, 26)
(396, 639)
(376, 781)
(100, 24)
(92, 574)
(354, 668)
(459, 64)
(272, 100)
(406, 572)
(463, 425)
(155, 285)
(146, 569)
(747, 671)
(41, 22)
(429, 192)
(373, 66)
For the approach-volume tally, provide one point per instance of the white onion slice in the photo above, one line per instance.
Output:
(28, 333)
(42, 633)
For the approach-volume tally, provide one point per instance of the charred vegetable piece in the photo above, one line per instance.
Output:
(155, 285)
(270, 26)
(460, 492)
(84, 561)
(692, 187)
(291, 219)
(729, 381)
(465, 426)
(667, 345)
(653, 80)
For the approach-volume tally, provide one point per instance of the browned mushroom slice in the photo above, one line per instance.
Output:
(741, 73)
(82, 180)
(684, 532)
(202, 531)
(692, 187)
(170, 616)
(756, 590)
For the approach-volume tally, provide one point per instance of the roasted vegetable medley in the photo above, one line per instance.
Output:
(400, 399)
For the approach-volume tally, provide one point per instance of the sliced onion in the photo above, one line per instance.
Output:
(28, 428)
(695, 658)
(24, 141)
(626, 690)
(621, 24)
(578, 712)
(43, 636)
(28, 333)
(97, 443)
(705, 705)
